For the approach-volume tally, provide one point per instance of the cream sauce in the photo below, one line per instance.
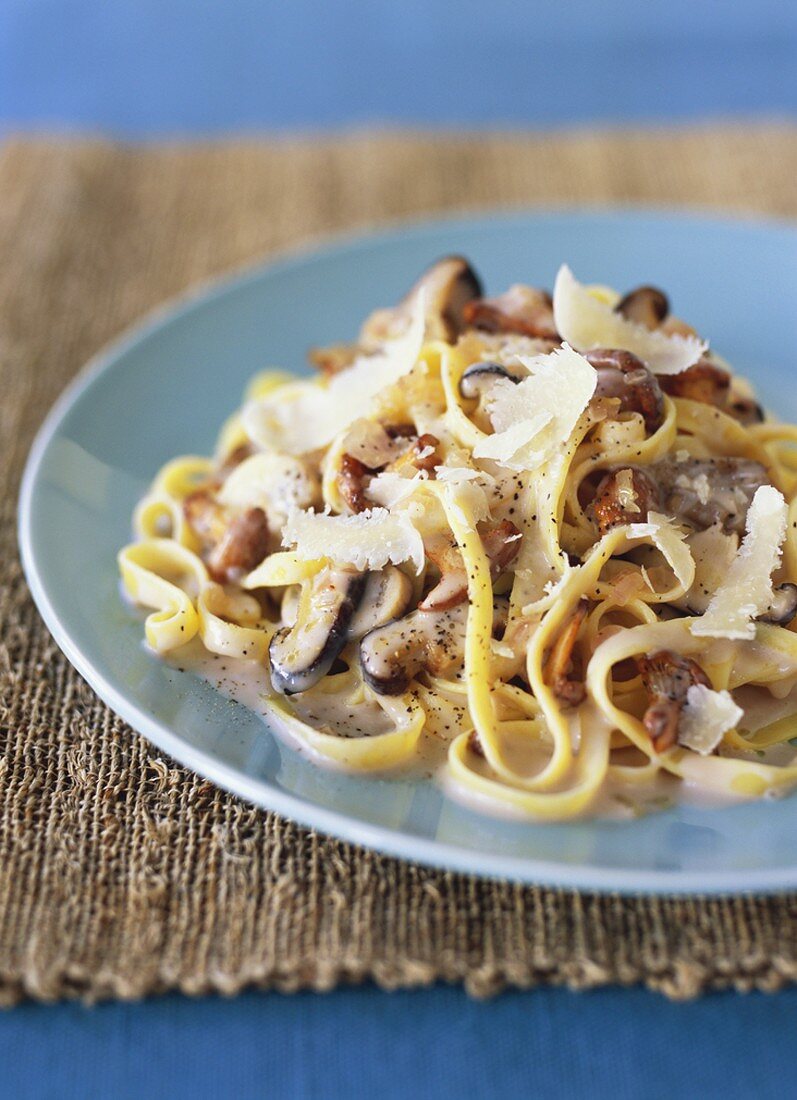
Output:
(620, 799)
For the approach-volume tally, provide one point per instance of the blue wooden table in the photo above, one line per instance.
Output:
(148, 68)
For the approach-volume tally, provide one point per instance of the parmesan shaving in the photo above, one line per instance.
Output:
(586, 322)
(317, 413)
(276, 483)
(466, 489)
(668, 539)
(366, 541)
(746, 591)
(532, 419)
(391, 487)
(706, 717)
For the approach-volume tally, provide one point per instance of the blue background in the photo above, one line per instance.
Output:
(142, 67)
(153, 68)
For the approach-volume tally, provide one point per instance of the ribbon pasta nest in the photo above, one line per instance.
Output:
(543, 545)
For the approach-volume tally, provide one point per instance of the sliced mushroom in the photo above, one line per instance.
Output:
(521, 309)
(501, 544)
(783, 607)
(667, 677)
(452, 587)
(623, 376)
(447, 286)
(562, 668)
(624, 496)
(392, 655)
(646, 306)
(746, 411)
(705, 491)
(480, 377)
(233, 543)
(705, 382)
(386, 597)
(302, 654)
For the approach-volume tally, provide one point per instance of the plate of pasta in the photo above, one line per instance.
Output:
(474, 542)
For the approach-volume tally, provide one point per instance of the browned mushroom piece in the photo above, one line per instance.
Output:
(350, 482)
(501, 544)
(705, 491)
(447, 288)
(624, 496)
(521, 309)
(623, 376)
(420, 453)
(206, 517)
(705, 382)
(242, 547)
(647, 305)
(232, 543)
(562, 671)
(667, 677)
(475, 745)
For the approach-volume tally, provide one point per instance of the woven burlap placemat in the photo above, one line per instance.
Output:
(122, 874)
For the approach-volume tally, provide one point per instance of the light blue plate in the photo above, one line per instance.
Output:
(165, 389)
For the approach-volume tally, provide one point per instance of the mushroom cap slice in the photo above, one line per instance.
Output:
(783, 607)
(479, 377)
(448, 286)
(392, 655)
(521, 309)
(300, 655)
(704, 491)
(647, 305)
(624, 376)
(386, 597)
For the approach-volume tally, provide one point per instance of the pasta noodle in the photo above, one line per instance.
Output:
(552, 573)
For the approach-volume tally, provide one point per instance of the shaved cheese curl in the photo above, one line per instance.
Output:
(532, 419)
(366, 541)
(587, 322)
(747, 591)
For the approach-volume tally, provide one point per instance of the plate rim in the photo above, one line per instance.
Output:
(383, 839)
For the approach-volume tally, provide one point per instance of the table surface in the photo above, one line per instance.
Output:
(434, 1043)
(194, 67)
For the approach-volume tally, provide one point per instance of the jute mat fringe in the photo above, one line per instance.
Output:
(122, 874)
